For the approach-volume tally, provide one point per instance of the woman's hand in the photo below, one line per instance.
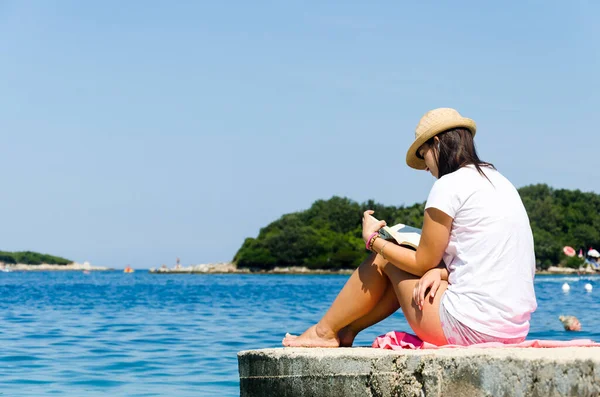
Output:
(431, 279)
(369, 225)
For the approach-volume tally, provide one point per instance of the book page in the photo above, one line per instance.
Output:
(401, 233)
(406, 235)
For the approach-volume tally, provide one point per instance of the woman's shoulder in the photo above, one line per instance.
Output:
(462, 173)
(467, 179)
(452, 183)
(470, 171)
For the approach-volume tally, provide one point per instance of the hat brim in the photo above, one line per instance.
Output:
(413, 161)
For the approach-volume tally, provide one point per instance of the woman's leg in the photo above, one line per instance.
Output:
(387, 305)
(358, 306)
(425, 323)
(390, 302)
(361, 293)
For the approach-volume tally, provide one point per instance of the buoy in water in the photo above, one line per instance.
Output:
(588, 287)
(565, 287)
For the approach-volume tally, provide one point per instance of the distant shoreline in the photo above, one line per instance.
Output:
(230, 268)
(21, 267)
(567, 271)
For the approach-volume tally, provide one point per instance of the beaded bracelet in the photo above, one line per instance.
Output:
(372, 241)
(368, 243)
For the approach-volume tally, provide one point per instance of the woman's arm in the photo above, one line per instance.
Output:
(434, 240)
(429, 283)
(437, 226)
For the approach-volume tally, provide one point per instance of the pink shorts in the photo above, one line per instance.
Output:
(459, 334)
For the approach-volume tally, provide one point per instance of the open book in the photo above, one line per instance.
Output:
(406, 236)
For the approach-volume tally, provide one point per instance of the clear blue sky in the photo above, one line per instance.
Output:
(135, 132)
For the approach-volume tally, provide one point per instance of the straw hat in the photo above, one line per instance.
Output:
(431, 124)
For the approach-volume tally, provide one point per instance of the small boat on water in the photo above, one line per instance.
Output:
(128, 269)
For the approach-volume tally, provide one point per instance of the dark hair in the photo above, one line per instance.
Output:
(456, 150)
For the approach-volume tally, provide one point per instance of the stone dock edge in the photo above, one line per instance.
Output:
(573, 371)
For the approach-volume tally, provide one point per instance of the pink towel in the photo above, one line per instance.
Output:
(395, 340)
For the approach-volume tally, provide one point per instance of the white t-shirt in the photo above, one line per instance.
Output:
(490, 256)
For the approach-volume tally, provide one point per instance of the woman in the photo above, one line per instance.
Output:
(474, 223)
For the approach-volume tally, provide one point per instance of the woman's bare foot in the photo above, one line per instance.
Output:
(346, 337)
(312, 338)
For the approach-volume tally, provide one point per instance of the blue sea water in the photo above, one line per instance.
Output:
(75, 334)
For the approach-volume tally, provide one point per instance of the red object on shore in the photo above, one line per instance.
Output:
(569, 251)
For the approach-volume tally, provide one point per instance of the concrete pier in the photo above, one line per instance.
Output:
(359, 371)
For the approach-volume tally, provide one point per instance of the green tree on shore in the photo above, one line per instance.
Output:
(31, 258)
(328, 234)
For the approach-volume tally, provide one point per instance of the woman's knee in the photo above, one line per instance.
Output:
(385, 267)
(380, 261)
(374, 259)
(395, 273)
